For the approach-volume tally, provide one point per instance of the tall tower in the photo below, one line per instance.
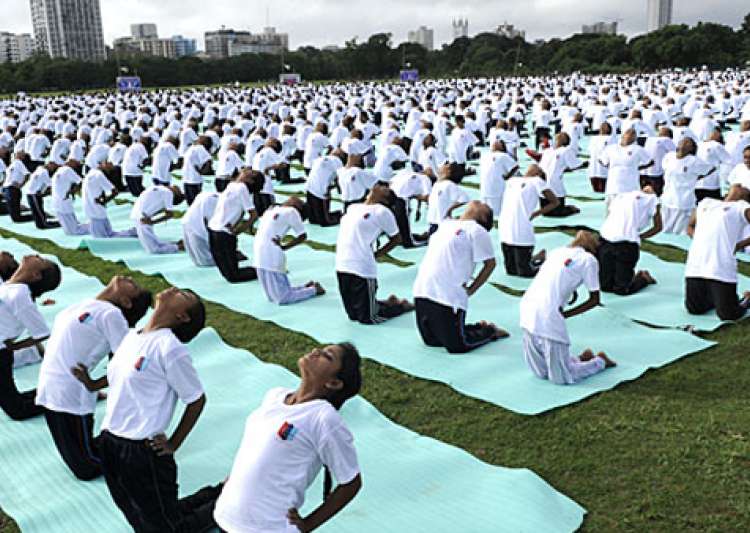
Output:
(659, 14)
(68, 28)
(460, 28)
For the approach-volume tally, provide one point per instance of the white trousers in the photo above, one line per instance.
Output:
(70, 224)
(151, 242)
(551, 360)
(198, 248)
(278, 289)
(101, 228)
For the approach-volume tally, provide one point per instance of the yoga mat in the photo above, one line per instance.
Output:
(401, 480)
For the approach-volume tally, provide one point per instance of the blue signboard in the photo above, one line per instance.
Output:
(128, 84)
(410, 75)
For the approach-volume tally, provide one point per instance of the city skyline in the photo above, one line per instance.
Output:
(309, 22)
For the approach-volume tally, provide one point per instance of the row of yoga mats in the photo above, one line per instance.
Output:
(413, 482)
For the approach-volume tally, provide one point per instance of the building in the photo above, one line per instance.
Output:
(424, 36)
(217, 42)
(128, 46)
(509, 31)
(460, 28)
(225, 43)
(600, 28)
(15, 48)
(68, 28)
(659, 14)
(143, 31)
(184, 47)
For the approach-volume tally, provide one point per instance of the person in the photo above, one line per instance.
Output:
(154, 206)
(315, 143)
(196, 163)
(227, 222)
(16, 176)
(354, 181)
(269, 258)
(445, 197)
(148, 373)
(597, 172)
(460, 143)
(195, 228)
(392, 157)
(133, 163)
(8, 266)
(66, 183)
(98, 191)
(320, 181)
(657, 148)
(682, 170)
(34, 277)
(293, 434)
(546, 344)
(39, 187)
(740, 174)
(717, 228)
(267, 161)
(356, 266)
(554, 163)
(713, 152)
(408, 185)
(444, 282)
(230, 165)
(520, 207)
(619, 247)
(496, 167)
(624, 162)
(165, 157)
(82, 335)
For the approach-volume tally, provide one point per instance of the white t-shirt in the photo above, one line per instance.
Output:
(62, 181)
(133, 161)
(146, 376)
(38, 182)
(322, 174)
(152, 200)
(360, 227)
(84, 333)
(629, 213)
(229, 162)
(564, 270)
(233, 202)
(282, 451)
(95, 185)
(97, 155)
(624, 163)
(354, 183)
(597, 145)
(454, 250)
(19, 313)
(164, 156)
(740, 175)
(657, 148)
(432, 158)
(314, 145)
(274, 224)
(390, 154)
(719, 227)
(713, 153)
(408, 184)
(15, 174)
(554, 163)
(263, 161)
(444, 195)
(195, 157)
(680, 177)
(199, 213)
(493, 169)
(520, 200)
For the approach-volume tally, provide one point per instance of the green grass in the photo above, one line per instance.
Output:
(668, 452)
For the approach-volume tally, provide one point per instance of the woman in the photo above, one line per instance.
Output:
(292, 435)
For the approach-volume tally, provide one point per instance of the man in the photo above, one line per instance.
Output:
(717, 229)
(444, 282)
(230, 165)
(619, 249)
(520, 207)
(227, 222)
(354, 181)
(154, 206)
(657, 148)
(445, 196)
(555, 162)
(546, 344)
(15, 178)
(460, 143)
(82, 335)
(196, 164)
(356, 265)
(66, 183)
(408, 185)
(269, 258)
(133, 163)
(98, 191)
(165, 157)
(195, 228)
(625, 162)
(320, 181)
(267, 161)
(496, 167)
(38, 187)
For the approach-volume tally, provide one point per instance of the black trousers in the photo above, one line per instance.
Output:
(17, 405)
(41, 218)
(144, 487)
(191, 191)
(517, 260)
(262, 202)
(320, 212)
(135, 185)
(702, 295)
(408, 239)
(656, 182)
(224, 251)
(560, 211)
(74, 439)
(440, 325)
(541, 134)
(700, 194)
(13, 202)
(221, 183)
(617, 262)
(360, 302)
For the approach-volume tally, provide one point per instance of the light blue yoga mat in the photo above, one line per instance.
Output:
(418, 483)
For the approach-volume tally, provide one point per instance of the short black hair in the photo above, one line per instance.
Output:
(139, 307)
(9, 270)
(187, 331)
(49, 280)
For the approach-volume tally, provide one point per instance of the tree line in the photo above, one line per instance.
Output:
(487, 54)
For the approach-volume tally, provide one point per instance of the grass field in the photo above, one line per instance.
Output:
(668, 452)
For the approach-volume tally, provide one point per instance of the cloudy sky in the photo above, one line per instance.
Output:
(325, 22)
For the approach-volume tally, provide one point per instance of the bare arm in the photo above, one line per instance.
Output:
(552, 203)
(339, 498)
(452, 208)
(294, 242)
(26, 343)
(163, 446)
(390, 245)
(592, 302)
(691, 225)
(482, 277)
(657, 227)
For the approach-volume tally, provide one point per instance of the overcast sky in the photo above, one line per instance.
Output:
(325, 22)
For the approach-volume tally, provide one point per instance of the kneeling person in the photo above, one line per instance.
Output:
(154, 206)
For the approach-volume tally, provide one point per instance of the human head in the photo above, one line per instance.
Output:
(746, 156)
(480, 213)
(605, 129)
(562, 139)
(8, 265)
(535, 171)
(628, 137)
(131, 298)
(381, 194)
(586, 240)
(686, 147)
(737, 192)
(252, 179)
(39, 274)
(336, 369)
(299, 205)
(499, 146)
(186, 312)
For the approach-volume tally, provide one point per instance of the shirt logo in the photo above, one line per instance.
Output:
(276, 216)
(568, 262)
(84, 318)
(141, 364)
(287, 431)
(367, 215)
(459, 232)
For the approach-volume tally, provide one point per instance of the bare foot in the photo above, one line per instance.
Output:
(540, 257)
(310, 284)
(646, 275)
(498, 333)
(608, 363)
(48, 301)
(319, 290)
(407, 305)
(587, 355)
(181, 246)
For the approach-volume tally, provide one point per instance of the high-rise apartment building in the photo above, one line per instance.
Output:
(144, 31)
(659, 14)
(15, 48)
(68, 28)
(600, 28)
(184, 46)
(460, 28)
(424, 36)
